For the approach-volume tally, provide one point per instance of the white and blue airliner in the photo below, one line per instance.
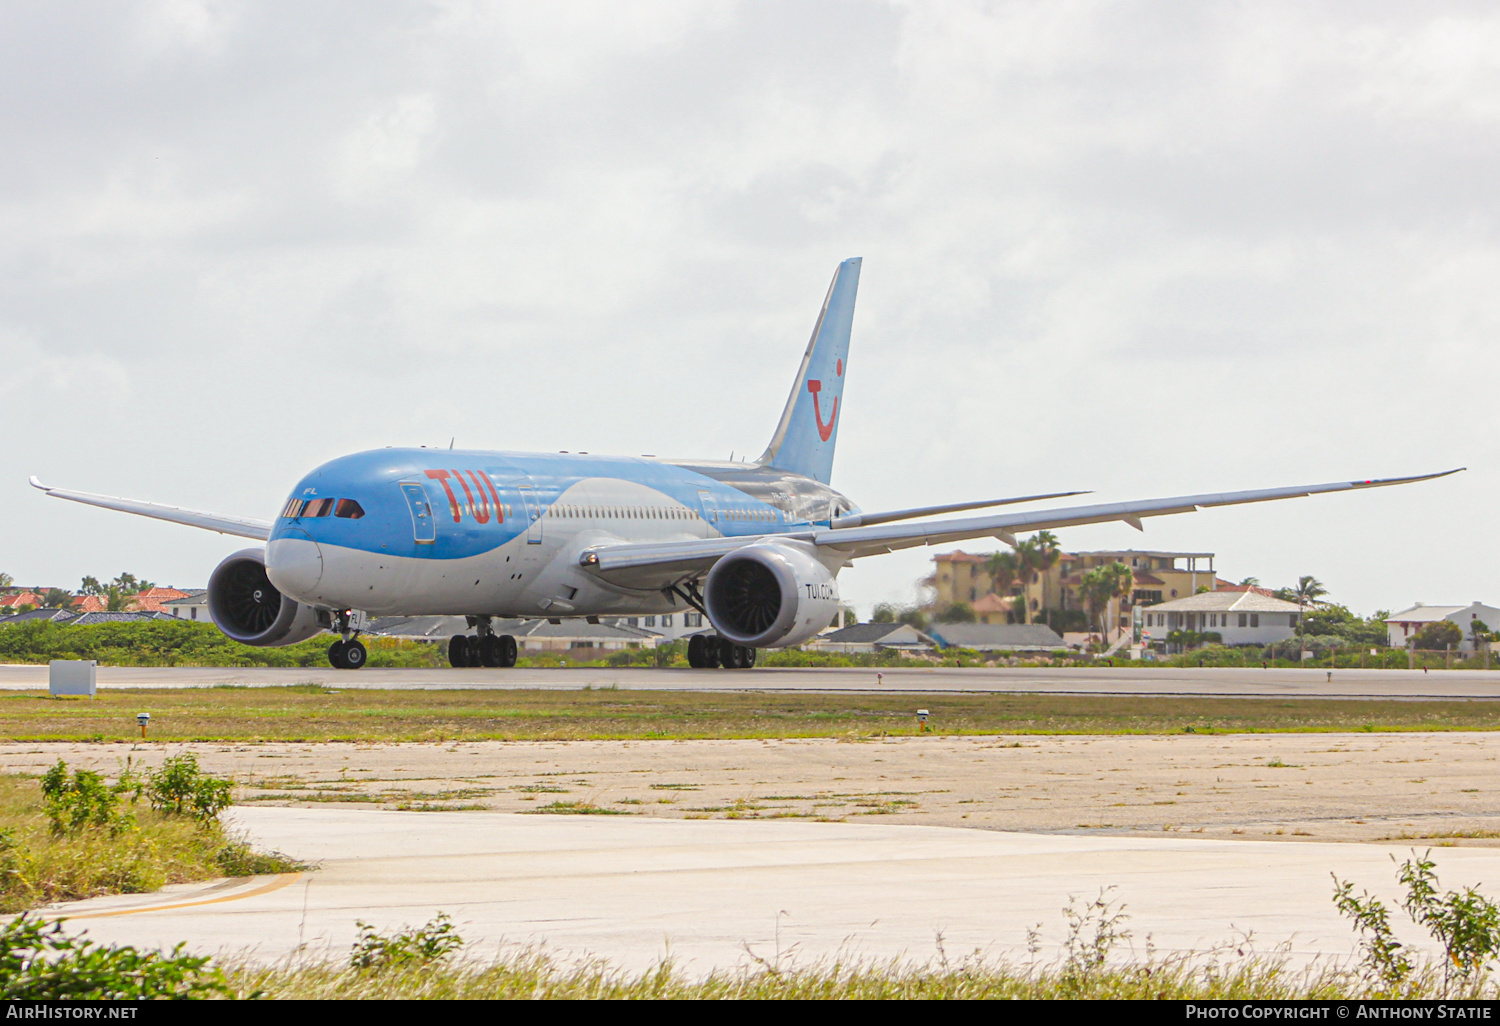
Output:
(754, 547)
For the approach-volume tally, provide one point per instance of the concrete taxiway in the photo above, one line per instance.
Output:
(720, 894)
(1142, 681)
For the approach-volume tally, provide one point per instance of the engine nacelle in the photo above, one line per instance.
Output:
(249, 609)
(770, 595)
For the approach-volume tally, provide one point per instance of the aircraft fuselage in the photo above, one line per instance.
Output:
(437, 531)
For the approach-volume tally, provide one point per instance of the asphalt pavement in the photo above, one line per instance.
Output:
(1131, 680)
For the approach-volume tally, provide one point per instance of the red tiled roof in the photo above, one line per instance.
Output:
(993, 603)
(958, 557)
(1141, 577)
(89, 604)
(22, 598)
(1257, 589)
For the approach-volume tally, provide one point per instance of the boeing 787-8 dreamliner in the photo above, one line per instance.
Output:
(755, 547)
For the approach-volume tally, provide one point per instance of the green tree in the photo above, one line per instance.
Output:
(56, 598)
(884, 613)
(115, 600)
(1005, 570)
(914, 616)
(6, 580)
(1252, 582)
(1308, 591)
(91, 586)
(1103, 584)
(959, 612)
(1438, 635)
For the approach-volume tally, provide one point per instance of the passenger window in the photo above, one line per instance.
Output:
(348, 509)
(318, 508)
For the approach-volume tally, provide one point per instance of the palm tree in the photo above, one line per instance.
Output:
(1039, 554)
(6, 580)
(1251, 582)
(1309, 591)
(1004, 569)
(1102, 585)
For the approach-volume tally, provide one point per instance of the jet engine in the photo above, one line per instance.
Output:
(770, 595)
(249, 609)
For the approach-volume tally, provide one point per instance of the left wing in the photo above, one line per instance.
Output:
(661, 564)
(244, 527)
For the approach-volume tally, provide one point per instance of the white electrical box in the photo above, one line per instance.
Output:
(73, 677)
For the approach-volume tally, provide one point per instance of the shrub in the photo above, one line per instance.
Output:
(430, 943)
(1465, 922)
(39, 962)
(80, 800)
(180, 787)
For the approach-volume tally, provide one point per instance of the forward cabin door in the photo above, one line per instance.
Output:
(710, 511)
(533, 514)
(423, 524)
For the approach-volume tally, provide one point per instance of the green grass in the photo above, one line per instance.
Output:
(38, 867)
(536, 975)
(318, 714)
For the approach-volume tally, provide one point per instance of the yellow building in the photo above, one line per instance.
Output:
(1159, 577)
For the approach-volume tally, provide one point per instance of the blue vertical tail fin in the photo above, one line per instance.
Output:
(809, 427)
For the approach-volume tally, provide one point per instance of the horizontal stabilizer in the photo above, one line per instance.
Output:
(243, 527)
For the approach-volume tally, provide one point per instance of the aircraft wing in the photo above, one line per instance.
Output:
(660, 564)
(244, 527)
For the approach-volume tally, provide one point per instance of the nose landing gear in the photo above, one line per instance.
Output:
(706, 651)
(348, 653)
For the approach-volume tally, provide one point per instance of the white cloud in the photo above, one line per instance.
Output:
(1265, 233)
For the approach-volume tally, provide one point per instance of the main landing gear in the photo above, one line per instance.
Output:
(706, 651)
(486, 650)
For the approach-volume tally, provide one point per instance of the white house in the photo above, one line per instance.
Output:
(193, 607)
(872, 637)
(1242, 616)
(1400, 627)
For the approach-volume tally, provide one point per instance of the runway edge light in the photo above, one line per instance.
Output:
(143, 719)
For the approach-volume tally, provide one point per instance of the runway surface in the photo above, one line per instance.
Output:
(720, 893)
(1258, 683)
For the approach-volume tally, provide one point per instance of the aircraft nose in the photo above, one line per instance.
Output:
(294, 563)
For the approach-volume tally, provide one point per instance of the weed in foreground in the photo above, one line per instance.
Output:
(1465, 923)
(430, 943)
(39, 962)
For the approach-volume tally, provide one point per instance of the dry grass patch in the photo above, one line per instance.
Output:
(312, 713)
(39, 866)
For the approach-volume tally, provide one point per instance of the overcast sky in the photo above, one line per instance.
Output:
(1143, 248)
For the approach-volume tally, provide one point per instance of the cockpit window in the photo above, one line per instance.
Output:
(318, 508)
(293, 508)
(348, 509)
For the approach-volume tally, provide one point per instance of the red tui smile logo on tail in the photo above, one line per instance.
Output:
(825, 430)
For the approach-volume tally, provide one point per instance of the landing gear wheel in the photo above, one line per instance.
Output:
(711, 652)
(723, 653)
(744, 657)
(698, 652)
(458, 651)
(336, 655)
(355, 654)
(491, 652)
(472, 652)
(507, 650)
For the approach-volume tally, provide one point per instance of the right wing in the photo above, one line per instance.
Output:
(661, 564)
(244, 527)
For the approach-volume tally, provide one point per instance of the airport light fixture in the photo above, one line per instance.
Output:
(143, 719)
(922, 715)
